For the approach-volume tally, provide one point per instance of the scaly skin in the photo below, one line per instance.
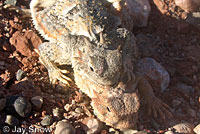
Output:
(117, 105)
(65, 24)
(84, 34)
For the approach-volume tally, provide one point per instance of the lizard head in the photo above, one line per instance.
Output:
(117, 108)
(112, 105)
(100, 65)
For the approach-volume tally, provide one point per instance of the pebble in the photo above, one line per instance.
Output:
(113, 131)
(57, 113)
(6, 46)
(92, 125)
(20, 75)
(24, 41)
(47, 120)
(11, 120)
(64, 127)
(68, 107)
(2, 103)
(37, 101)
(139, 11)
(11, 2)
(79, 110)
(36, 114)
(19, 105)
(130, 131)
(185, 128)
(22, 106)
(169, 132)
(197, 129)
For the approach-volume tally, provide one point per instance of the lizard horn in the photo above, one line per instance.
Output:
(101, 38)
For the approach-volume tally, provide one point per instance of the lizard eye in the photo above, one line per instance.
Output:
(108, 109)
(91, 69)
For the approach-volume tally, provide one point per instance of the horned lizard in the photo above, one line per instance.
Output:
(86, 35)
(117, 105)
(65, 24)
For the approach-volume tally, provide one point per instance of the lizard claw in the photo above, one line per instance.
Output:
(157, 107)
(58, 74)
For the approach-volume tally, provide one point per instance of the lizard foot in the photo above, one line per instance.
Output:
(56, 74)
(157, 107)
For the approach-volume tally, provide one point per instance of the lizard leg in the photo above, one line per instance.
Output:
(154, 104)
(51, 56)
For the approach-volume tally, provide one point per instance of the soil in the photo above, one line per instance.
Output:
(176, 45)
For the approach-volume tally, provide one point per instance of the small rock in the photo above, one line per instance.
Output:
(184, 128)
(36, 114)
(19, 105)
(6, 46)
(20, 75)
(37, 101)
(154, 71)
(139, 11)
(169, 132)
(68, 107)
(56, 113)
(11, 2)
(24, 43)
(15, 25)
(92, 125)
(5, 77)
(34, 38)
(197, 129)
(176, 102)
(11, 120)
(2, 103)
(22, 106)
(64, 127)
(21, 43)
(113, 131)
(79, 110)
(47, 120)
(130, 131)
